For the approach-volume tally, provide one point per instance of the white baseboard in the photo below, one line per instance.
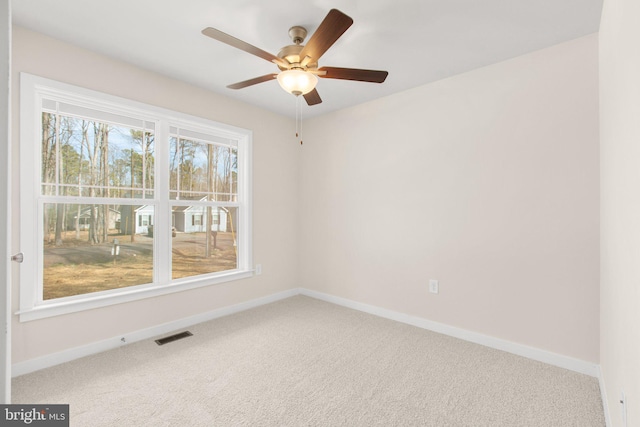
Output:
(544, 356)
(49, 360)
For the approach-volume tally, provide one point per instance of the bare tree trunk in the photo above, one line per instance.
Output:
(104, 153)
(133, 214)
(208, 220)
(48, 151)
(92, 222)
(105, 228)
(92, 152)
(59, 206)
(100, 224)
(77, 224)
(98, 173)
(133, 225)
(59, 222)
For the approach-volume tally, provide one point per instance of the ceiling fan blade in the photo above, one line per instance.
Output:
(253, 81)
(312, 98)
(239, 44)
(330, 30)
(373, 76)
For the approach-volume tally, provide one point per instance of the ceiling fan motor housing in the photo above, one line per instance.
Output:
(291, 54)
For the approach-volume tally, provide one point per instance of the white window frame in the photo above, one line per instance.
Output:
(32, 305)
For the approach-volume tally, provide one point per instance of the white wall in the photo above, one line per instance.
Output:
(486, 181)
(275, 195)
(620, 207)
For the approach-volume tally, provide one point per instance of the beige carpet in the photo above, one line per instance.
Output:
(304, 362)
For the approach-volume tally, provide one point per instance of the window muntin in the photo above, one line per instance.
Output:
(115, 158)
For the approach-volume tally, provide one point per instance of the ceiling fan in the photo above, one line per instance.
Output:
(298, 63)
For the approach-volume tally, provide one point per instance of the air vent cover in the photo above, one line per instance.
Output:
(175, 337)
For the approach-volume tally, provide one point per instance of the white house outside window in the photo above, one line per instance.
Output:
(125, 200)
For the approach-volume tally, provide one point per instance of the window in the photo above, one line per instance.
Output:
(144, 220)
(126, 200)
(203, 170)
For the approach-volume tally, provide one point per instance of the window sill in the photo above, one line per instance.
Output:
(134, 293)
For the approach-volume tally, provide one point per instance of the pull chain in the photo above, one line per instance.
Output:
(298, 119)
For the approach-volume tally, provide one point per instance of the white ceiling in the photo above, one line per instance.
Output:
(417, 41)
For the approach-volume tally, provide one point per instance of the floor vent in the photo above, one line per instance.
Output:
(172, 338)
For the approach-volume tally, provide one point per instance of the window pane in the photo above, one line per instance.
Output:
(91, 248)
(89, 158)
(202, 171)
(194, 251)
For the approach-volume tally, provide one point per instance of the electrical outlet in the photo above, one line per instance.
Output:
(433, 286)
(623, 402)
(258, 269)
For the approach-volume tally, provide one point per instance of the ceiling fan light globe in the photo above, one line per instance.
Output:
(297, 82)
